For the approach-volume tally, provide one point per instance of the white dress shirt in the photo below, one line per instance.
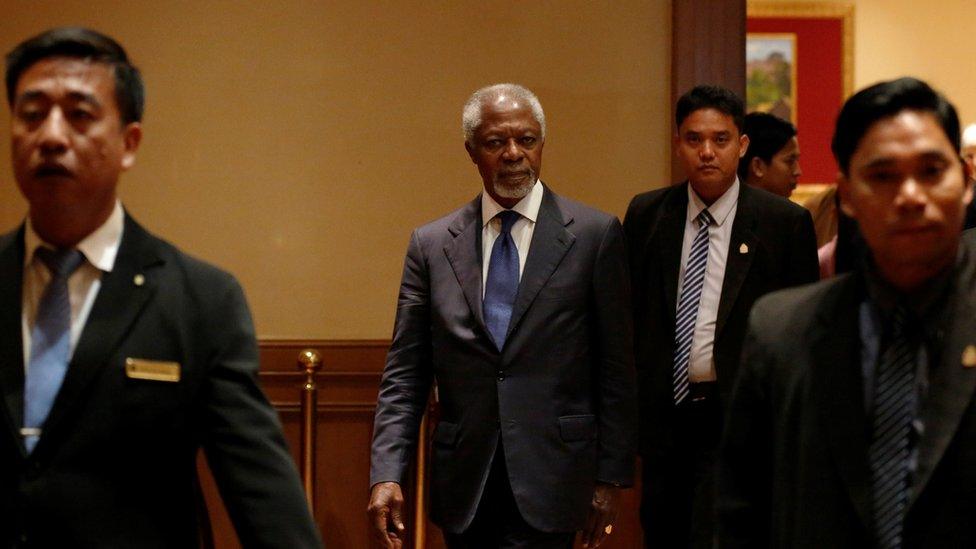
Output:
(99, 248)
(701, 363)
(522, 230)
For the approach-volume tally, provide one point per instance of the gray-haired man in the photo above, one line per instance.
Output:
(517, 306)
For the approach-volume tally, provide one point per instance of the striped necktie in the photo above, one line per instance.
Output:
(50, 342)
(894, 408)
(687, 313)
(501, 284)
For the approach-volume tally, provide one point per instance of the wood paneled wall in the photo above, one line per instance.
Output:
(348, 384)
(708, 46)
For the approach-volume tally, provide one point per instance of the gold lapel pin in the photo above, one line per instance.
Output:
(743, 249)
(139, 279)
(969, 356)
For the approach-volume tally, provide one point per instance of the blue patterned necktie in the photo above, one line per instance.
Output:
(687, 313)
(501, 285)
(894, 407)
(50, 342)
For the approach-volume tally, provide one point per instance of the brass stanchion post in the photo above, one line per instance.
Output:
(420, 491)
(309, 361)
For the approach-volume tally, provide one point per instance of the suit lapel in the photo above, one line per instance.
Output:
(838, 389)
(951, 384)
(550, 242)
(11, 338)
(663, 247)
(464, 255)
(119, 302)
(743, 246)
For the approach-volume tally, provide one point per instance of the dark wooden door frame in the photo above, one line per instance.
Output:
(708, 46)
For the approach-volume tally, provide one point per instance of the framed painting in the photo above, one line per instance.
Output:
(800, 66)
(771, 74)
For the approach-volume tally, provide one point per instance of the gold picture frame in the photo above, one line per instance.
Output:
(842, 10)
(777, 43)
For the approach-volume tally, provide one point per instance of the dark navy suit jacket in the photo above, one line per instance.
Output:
(560, 394)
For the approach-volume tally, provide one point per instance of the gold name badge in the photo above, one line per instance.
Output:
(152, 370)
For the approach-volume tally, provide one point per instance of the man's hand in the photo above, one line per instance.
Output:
(385, 508)
(603, 513)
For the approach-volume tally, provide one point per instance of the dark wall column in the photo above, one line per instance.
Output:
(708, 46)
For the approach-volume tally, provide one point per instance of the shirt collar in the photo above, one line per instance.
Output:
(927, 302)
(99, 248)
(720, 209)
(528, 207)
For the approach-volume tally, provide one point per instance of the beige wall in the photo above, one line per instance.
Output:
(930, 40)
(297, 143)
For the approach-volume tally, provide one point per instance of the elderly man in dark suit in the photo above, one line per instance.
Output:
(517, 305)
(701, 253)
(120, 357)
(853, 422)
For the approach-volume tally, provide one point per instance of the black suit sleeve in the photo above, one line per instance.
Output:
(617, 391)
(745, 456)
(243, 440)
(407, 376)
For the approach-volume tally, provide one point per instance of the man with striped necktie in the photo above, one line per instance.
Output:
(701, 253)
(852, 423)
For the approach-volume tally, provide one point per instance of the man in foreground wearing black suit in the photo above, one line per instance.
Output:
(533, 364)
(120, 357)
(853, 423)
(701, 253)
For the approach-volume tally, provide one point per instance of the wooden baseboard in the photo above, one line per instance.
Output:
(348, 380)
(348, 383)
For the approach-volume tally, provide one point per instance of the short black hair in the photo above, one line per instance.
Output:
(768, 134)
(721, 99)
(883, 100)
(81, 43)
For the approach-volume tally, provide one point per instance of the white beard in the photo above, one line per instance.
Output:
(517, 191)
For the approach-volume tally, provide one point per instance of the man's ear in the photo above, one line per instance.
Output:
(743, 145)
(757, 167)
(132, 137)
(844, 191)
(968, 171)
(470, 149)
